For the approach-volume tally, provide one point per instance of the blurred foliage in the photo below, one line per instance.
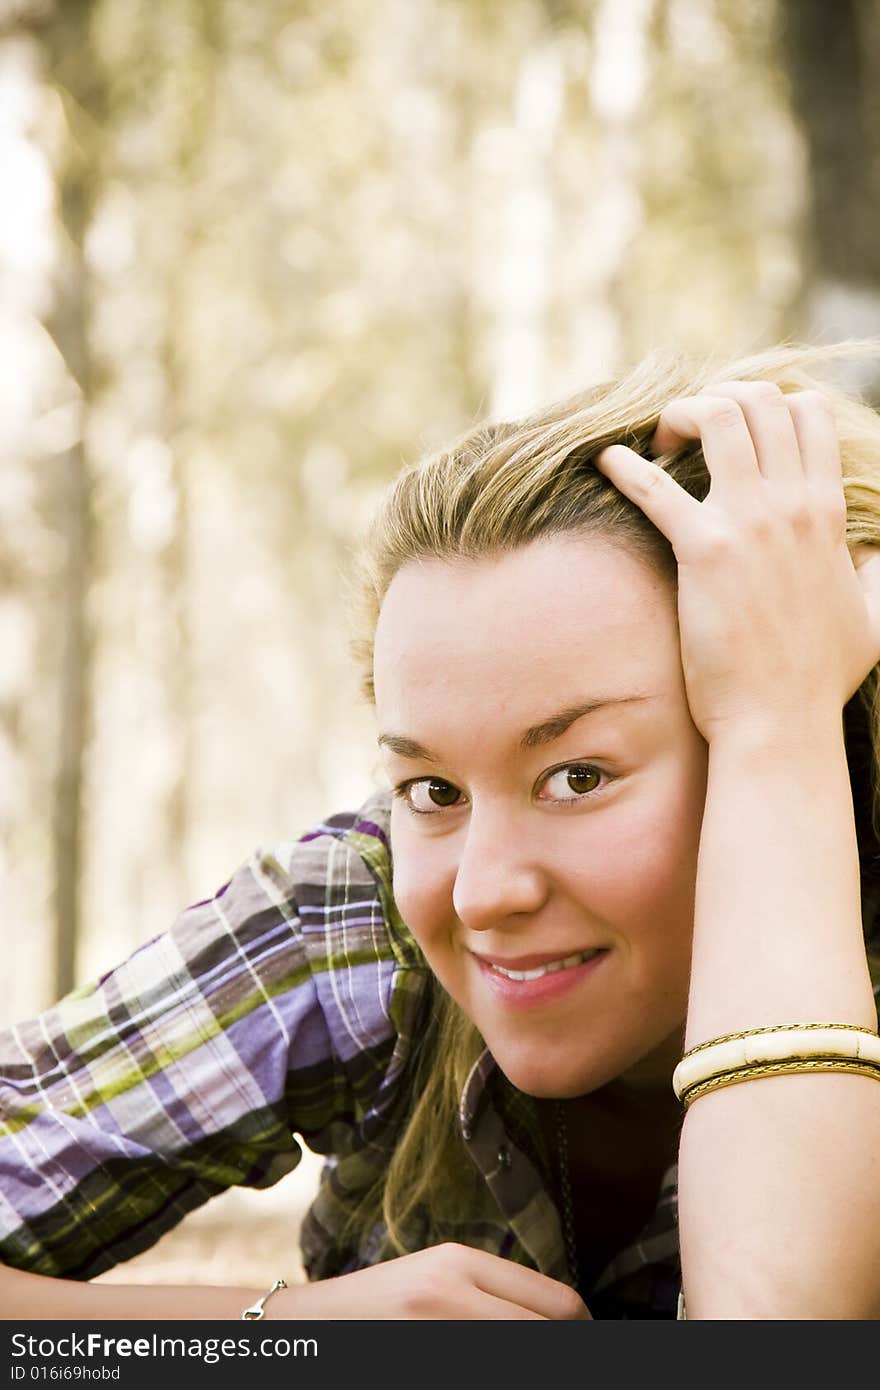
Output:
(254, 258)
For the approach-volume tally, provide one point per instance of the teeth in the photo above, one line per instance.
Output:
(546, 969)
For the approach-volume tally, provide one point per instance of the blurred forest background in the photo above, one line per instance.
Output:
(254, 257)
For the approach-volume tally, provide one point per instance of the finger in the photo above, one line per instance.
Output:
(816, 430)
(672, 510)
(719, 424)
(526, 1288)
(770, 424)
(497, 1307)
(489, 1306)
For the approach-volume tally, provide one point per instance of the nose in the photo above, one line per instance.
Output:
(499, 873)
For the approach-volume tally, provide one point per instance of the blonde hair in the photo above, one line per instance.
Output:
(501, 486)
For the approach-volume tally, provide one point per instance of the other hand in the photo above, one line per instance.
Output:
(447, 1281)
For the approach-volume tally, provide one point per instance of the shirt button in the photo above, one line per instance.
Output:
(504, 1158)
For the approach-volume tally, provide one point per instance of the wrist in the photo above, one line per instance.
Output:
(302, 1302)
(781, 734)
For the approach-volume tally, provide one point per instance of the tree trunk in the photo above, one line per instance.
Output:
(831, 53)
(72, 70)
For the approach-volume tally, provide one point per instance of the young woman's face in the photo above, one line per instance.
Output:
(525, 851)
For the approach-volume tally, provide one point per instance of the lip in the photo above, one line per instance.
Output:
(533, 962)
(524, 994)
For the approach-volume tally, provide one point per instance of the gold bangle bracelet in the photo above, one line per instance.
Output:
(782, 1068)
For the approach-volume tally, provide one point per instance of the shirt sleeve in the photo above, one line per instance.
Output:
(179, 1074)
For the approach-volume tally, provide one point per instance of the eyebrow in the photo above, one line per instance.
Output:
(545, 732)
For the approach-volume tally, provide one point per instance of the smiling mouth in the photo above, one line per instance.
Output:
(567, 964)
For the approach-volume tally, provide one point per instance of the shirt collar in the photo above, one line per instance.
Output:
(474, 1092)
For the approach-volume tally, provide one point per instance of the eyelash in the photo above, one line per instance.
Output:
(401, 790)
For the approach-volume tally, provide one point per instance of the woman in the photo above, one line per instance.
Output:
(624, 823)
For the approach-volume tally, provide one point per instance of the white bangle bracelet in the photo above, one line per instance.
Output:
(804, 1042)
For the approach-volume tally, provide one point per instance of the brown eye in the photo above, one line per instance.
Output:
(578, 778)
(441, 793)
(583, 779)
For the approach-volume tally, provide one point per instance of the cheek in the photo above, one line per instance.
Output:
(646, 861)
(422, 888)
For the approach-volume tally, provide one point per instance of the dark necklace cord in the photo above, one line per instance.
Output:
(565, 1187)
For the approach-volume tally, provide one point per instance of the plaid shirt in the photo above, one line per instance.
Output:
(289, 1004)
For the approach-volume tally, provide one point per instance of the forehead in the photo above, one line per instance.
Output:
(575, 610)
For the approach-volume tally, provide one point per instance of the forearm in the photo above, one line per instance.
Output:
(30, 1296)
(779, 1183)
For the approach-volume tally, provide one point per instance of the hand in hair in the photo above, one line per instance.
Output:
(778, 620)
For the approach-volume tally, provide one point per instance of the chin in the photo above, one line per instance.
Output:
(543, 1086)
(551, 1092)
